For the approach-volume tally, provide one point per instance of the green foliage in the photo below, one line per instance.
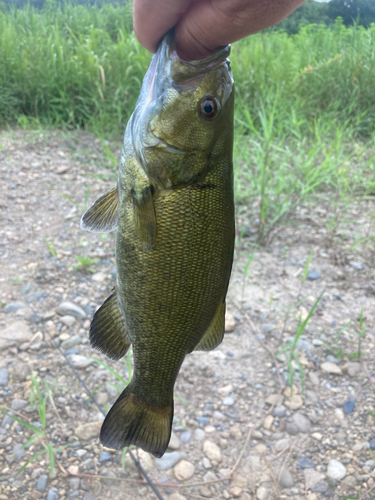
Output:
(85, 264)
(310, 12)
(351, 11)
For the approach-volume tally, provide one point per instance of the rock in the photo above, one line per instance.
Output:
(320, 487)
(312, 477)
(4, 376)
(336, 470)
(317, 342)
(176, 496)
(16, 333)
(169, 460)
(70, 309)
(268, 421)
(14, 306)
(99, 277)
(68, 320)
(42, 483)
(278, 411)
(275, 399)
(71, 342)
(290, 391)
(52, 494)
(228, 401)
(230, 322)
(88, 496)
(184, 470)
(226, 390)
(294, 403)
(348, 483)
(213, 452)
(205, 492)
(18, 452)
(305, 463)
(174, 442)
(104, 456)
(18, 404)
(314, 378)
(313, 275)
(79, 361)
(317, 436)
(298, 423)
(372, 444)
(281, 444)
(199, 434)
(261, 449)
(339, 414)
(235, 491)
(186, 436)
(349, 406)
(88, 431)
(35, 318)
(357, 265)
(263, 493)
(352, 368)
(203, 421)
(20, 371)
(245, 496)
(285, 478)
(74, 483)
(329, 367)
(73, 469)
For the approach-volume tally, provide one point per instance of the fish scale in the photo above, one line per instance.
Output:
(174, 214)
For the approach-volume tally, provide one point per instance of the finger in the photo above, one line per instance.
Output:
(153, 18)
(210, 24)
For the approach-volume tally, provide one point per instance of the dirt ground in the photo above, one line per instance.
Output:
(236, 416)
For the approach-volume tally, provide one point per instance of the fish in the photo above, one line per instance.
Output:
(173, 213)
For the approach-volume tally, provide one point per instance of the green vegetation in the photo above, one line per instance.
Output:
(84, 264)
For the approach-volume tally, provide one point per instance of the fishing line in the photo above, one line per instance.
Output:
(92, 397)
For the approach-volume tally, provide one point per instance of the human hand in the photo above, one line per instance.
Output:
(202, 26)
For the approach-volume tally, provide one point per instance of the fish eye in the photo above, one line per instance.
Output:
(209, 108)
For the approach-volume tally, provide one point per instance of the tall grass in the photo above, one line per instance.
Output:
(69, 65)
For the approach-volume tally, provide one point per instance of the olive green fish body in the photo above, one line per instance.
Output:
(174, 215)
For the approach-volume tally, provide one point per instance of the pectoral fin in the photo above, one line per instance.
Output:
(215, 332)
(144, 216)
(107, 330)
(102, 216)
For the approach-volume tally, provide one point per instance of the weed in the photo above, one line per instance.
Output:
(51, 248)
(84, 264)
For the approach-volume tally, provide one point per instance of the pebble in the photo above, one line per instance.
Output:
(169, 460)
(228, 401)
(99, 277)
(297, 423)
(230, 322)
(70, 309)
(74, 483)
(275, 399)
(174, 442)
(349, 406)
(305, 463)
(226, 390)
(317, 342)
(372, 444)
(317, 436)
(4, 376)
(353, 369)
(339, 414)
(206, 463)
(357, 265)
(35, 318)
(186, 436)
(18, 404)
(285, 478)
(16, 333)
(281, 444)
(314, 379)
(268, 421)
(71, 342)
(279, 411)
(199, 434)
(104, 456)
(235, 491)
(18, 452)
(176, 496)
(88, 496)
(294, 403)
(336, 470)
(329, 367)
(263, 493)
(261, 449)
(42, 483)
(68, 320)
(203, 421)
(212, 451)
(205, 492)
(88, 431)
(313, 275)
(52, 494)
(26, 289)
(312, 478)
(14, 306)
(184, 470)
(332, 359)
(79, 361)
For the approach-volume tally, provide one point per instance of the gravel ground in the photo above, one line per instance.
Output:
(234, 406)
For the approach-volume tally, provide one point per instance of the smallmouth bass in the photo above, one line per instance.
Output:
(174, 215)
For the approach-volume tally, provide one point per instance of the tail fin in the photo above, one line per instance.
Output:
(132, 421)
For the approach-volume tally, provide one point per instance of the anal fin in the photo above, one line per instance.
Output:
(107, 330)
(215, 332)
(144, 216)
(102, 216)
